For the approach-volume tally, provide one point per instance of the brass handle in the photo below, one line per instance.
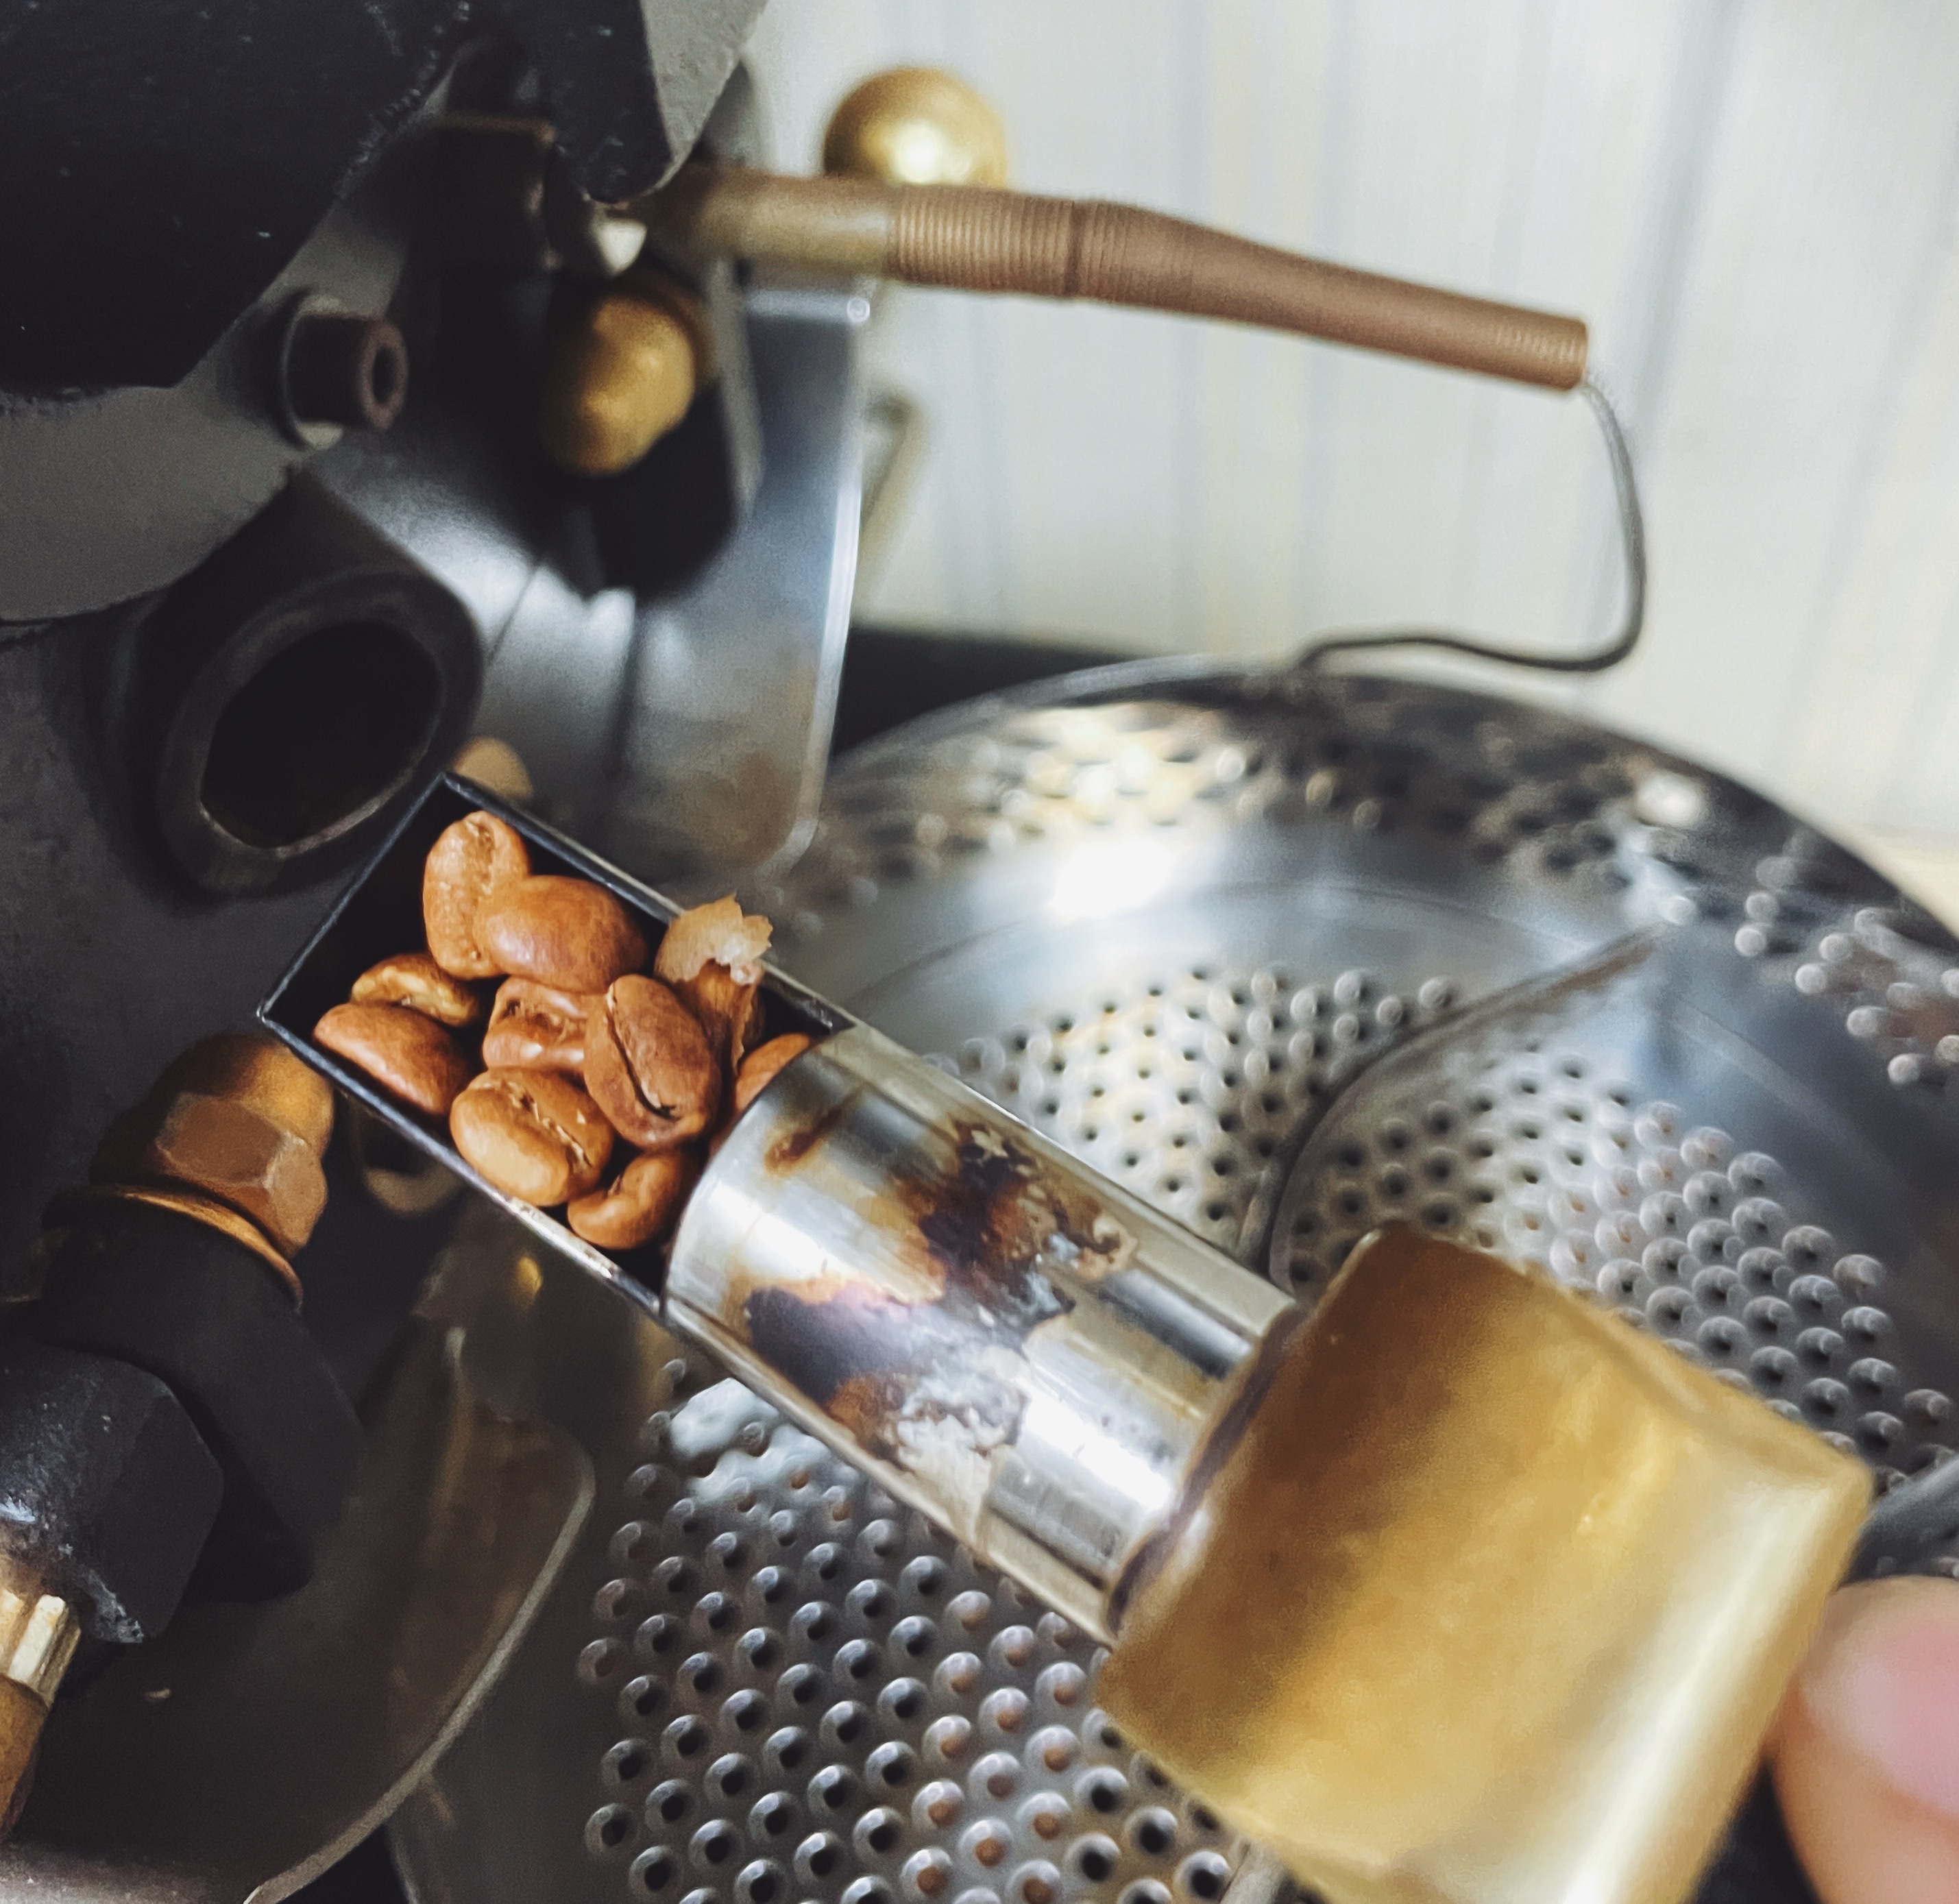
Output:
(973, 238)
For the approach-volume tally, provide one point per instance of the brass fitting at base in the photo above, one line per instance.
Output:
(38, 1633)
(233, 1133)
(66, 1208)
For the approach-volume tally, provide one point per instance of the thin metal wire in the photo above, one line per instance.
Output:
(1632, 543)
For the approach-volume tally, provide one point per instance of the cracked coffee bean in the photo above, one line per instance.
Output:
(758, 1070)
(569, 934)
(639, 1206)
(533, 1134)
(405, 1053)
(727, 1010)
(415, 979)
(712, 957)
(537, 1027)
(649, 1065)
(472, 859)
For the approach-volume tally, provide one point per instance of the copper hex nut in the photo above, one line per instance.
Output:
(251, 1068)
(237, 1119)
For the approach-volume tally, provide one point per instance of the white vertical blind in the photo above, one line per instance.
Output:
(1754, 202)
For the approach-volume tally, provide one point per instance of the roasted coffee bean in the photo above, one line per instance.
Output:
(649, 1066)
(758, 1070)
(638, 1206)
(727, 1010)
(404, 1052)
(531, 1133)
(473, 858)
(536, 1027)
(712, 956)
(415, 979)
(567, 933)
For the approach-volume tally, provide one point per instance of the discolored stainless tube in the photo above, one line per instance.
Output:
(1025, 1354)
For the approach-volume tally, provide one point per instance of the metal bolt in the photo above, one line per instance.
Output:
(345, 371)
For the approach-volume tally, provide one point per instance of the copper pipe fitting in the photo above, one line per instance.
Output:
(234, 1133)
(973, 238)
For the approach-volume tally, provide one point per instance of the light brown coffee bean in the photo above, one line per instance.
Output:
(535, 1027)
(639, 1205)
(758, 1070)
(727, 1010)
(568, 933)
(712, 956)
(473, 858)
(415, 979)
(531, 1133)
(649, 1066)
(412, 1056)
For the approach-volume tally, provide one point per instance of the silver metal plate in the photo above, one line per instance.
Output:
(1177, 920)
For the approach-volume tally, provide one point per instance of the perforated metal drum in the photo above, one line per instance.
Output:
(1286, 956)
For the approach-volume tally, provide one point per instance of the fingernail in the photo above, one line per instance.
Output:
(1883, 1678)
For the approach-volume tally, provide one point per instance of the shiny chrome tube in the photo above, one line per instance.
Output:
(1018, 1349)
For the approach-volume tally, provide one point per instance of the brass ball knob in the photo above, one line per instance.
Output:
(618, 378)
(915, 125)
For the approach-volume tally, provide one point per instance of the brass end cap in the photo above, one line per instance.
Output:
(619, 377)
(236, 1120)
(916, 125)
(38, 1632)
(22, 1717)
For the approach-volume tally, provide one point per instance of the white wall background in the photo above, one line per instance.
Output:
(1754, 202)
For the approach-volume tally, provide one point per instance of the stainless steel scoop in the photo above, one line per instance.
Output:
(1168, 917)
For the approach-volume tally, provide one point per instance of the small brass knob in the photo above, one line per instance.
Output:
(915, 125)
(618, 379)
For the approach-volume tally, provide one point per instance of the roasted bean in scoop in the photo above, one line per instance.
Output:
(649, 1065)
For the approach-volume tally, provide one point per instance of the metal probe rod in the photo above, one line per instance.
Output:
(975, 238)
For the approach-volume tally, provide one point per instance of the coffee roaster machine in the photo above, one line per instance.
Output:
(383, 386)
